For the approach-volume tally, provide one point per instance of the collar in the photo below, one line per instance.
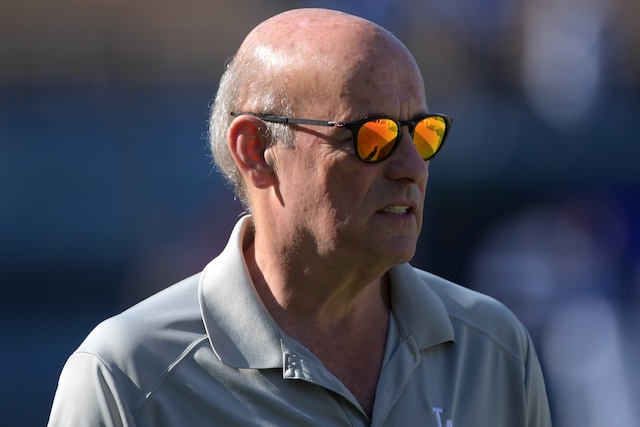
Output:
(241, 331)
(244, 335)
(419, 311)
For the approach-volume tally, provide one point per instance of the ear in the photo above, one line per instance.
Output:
(247, 145)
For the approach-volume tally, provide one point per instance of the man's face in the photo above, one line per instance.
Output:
(338, 206)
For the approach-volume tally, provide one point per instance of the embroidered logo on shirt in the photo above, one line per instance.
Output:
(438, 412)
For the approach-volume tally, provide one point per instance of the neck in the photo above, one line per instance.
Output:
(317, 301)
(343, 322)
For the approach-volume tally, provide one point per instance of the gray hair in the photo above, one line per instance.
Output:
(244, 87)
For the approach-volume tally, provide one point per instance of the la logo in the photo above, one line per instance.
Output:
(438, 412)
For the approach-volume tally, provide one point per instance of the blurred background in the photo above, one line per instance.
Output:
(107, 192)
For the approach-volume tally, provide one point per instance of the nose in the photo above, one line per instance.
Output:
(406, 162)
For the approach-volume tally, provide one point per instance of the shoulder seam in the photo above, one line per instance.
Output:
(166, 372)
(489, 336)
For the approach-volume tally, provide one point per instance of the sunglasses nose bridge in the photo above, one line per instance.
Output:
(410, 129)
(401, 126)
(401, 135)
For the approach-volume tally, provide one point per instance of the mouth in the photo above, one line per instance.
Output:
(397, 210)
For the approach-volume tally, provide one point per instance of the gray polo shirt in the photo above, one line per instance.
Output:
(206, 352)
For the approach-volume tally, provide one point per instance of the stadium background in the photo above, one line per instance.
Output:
(107, 193)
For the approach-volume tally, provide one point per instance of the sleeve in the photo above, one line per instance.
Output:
(88, 395)
(538, 412)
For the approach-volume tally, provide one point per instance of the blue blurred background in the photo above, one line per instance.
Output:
(107, 193)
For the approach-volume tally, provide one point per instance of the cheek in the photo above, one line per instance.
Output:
(350, 191)
(325, 184)
(307, 193)
(343, 173)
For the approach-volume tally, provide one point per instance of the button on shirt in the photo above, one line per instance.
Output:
(206, 352)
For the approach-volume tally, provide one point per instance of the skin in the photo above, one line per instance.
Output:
(328, 226)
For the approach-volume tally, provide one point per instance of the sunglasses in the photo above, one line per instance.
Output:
(374, 139)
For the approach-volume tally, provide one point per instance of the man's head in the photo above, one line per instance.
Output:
(324, 65)
(287, 63)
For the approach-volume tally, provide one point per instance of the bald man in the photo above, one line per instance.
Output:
(312, 315)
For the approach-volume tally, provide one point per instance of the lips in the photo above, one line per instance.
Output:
(397, 210)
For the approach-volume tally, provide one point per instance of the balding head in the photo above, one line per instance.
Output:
(296, 61)
(304, 54)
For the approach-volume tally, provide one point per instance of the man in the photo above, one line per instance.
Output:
(311, 315)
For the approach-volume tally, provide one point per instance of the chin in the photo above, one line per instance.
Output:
(400, 252)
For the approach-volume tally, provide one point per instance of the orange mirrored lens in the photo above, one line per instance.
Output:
(376, 138)
(428, 135)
